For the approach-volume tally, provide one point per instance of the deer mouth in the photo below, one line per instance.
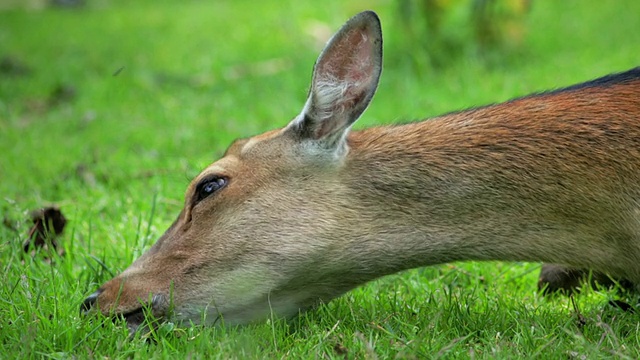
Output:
(147, 314)
(134, 319)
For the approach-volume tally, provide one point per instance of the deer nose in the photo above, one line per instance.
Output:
(88, 303)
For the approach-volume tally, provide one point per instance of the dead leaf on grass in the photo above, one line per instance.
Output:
(48, 224)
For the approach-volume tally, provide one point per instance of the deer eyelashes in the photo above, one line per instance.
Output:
(208, 186)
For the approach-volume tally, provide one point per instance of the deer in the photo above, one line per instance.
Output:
(299, 215)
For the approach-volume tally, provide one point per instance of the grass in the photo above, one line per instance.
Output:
(112, 108)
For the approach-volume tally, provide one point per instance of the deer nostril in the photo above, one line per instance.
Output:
(88, 303)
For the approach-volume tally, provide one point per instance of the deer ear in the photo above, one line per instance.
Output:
(345, 77)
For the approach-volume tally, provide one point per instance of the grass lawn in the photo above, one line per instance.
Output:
(110, 109)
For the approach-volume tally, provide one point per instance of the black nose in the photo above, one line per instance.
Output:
(88, 303)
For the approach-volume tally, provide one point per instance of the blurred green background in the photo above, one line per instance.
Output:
(109, 108)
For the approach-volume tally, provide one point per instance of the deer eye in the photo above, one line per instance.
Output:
(209, 186)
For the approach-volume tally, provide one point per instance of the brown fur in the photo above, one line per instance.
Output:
(553, 177)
